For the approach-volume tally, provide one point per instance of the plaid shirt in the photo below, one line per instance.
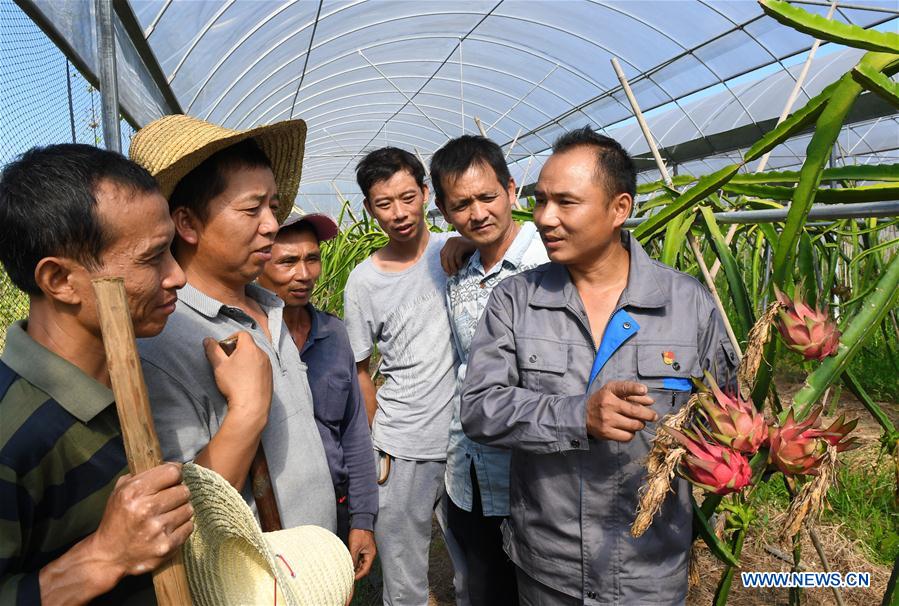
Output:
(467, 293)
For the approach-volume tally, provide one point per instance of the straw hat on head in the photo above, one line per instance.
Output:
(172, 146)
(230, 561)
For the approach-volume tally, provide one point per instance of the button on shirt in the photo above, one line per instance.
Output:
(188, 408)
(340, 415)
(466, 294)
(573, 498)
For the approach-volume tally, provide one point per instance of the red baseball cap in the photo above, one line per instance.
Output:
(323, 225)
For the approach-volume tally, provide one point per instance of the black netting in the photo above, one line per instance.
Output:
(45, 100)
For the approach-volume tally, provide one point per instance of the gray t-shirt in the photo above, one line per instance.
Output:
(188, 408)
(404, 313)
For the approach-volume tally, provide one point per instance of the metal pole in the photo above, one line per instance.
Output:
(109, 90)
(861, 210)
(691, 239)
(71, 106)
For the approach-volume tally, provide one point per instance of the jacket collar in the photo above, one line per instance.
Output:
(556, 290)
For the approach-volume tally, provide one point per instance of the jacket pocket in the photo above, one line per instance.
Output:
(542, 364)
(667, 370)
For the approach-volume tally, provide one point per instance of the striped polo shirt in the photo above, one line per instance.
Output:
(61, 452)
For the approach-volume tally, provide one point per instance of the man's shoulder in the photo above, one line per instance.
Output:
(519, 287)
(330, 322)
(360, 274)
(680, 285)
(180, 341)
(34, 424)
(20, 400)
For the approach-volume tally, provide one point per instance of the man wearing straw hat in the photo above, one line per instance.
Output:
(75, 527)
(227, 192)
(292, 273)
(572, 365)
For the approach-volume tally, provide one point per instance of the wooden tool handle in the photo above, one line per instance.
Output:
(266, 505)
(260, 480)
(133, 405)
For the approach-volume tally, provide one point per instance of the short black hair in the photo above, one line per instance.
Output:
(460, 154)
(48, 206)
(208, 180)
(382, 164)
(613, 164)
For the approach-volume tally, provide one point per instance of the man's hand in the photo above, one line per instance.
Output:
(455, 253)
(244, 377)
(363, 550)
(619, 410)
(147, 518)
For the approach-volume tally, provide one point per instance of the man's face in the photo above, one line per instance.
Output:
(236, 239)
(478, 205)
(574, 213)
(398, 205)
(294, 268)
(140, 231)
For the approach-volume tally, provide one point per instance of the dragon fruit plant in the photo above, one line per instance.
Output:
(710, 466)
(806, 330)
(731, 420)
(798, 447)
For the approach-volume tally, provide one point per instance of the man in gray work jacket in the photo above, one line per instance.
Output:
(571, 368)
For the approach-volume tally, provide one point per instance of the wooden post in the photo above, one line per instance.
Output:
(133, 405)
(667, 177)
(794, 94)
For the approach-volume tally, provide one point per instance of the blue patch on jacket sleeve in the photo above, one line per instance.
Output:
(677, 384)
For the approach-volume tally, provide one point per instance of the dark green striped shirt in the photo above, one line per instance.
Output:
(60, 455)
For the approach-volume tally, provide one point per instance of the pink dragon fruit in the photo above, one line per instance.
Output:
(808, 331)
(796, 447)
(836, 434)
(712, 467)
(731, 420)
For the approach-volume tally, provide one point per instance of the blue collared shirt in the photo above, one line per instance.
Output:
(340, 415)
(467, 293)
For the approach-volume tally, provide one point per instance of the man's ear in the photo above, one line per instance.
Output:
(621, 208)
(426, 194)
(187, 225)
(55, 277)
(367, 206)
(512, 191)
(439, 204)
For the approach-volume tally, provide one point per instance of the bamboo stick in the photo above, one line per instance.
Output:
(133, 405)
(524, 177)
(483, 132)
(788, 106)
(667, 177)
